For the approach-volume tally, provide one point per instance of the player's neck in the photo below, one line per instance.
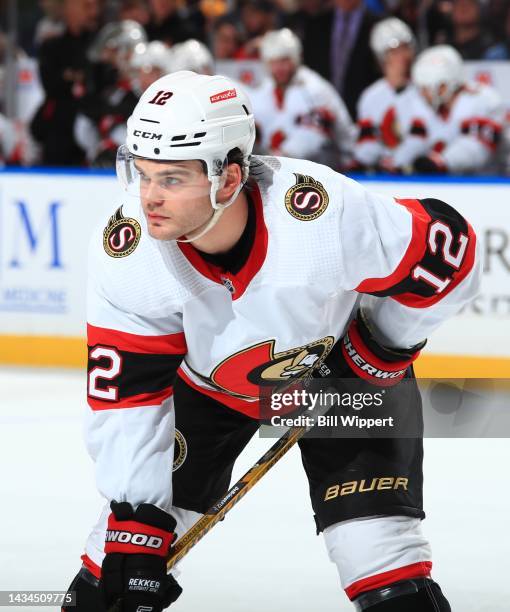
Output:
(397, 80)
(229, 229)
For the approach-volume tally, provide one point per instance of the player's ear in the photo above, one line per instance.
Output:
(232, 177)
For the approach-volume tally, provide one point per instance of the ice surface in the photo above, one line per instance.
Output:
(265, 556)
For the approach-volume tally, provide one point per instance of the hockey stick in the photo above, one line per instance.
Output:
(236, 492)
(233, 495)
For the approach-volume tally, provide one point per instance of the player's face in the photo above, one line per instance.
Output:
(175, 197)
(148, 75)
(399, 59)
(282, 70)
(433, 98)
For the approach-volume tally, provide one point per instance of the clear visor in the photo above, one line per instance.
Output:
(161, 180)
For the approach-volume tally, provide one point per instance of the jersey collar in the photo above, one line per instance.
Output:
(235, 283)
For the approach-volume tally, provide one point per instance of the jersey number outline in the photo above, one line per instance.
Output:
(111, 393)
(453, 260)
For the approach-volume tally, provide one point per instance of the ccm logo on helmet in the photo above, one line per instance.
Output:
(138, 539)
(150, 135)
(223, 95)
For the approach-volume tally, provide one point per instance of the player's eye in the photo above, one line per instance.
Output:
(169, 181)
(143, 178)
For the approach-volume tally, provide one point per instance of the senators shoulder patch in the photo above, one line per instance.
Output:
(307, 199)
(122, 235)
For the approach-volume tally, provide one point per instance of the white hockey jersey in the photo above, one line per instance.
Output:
(378, 131)
(303, 119)
(322, 243)
(466, 138)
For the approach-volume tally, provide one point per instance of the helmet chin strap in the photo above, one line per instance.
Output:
(216, 183)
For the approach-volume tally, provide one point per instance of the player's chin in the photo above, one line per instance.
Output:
(161, 231)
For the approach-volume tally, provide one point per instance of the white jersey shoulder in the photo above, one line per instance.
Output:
(301, 204)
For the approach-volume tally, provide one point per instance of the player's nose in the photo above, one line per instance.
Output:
(153, 194)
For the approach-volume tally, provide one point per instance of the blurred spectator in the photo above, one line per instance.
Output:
(437, 15)
(51, 24)
(336, 44)
(408, 11)
(100, 127)
(495, 18)
(213, 10)
(257, 18)
(192, 55)
(63, 65)
(168, 25)
(298, 113)
(137, 10)
(149, 63)
(226, 39)
(501, 51)
(469, 35)
(454, 126)
(393, 44)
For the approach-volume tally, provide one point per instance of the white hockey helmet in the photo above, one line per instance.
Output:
(389, 34)
(152, 55)
(192, 55)
(122, 36)
(279, 44)
(189, 116)
(440, 71)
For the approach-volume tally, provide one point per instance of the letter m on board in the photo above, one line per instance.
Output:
(24, 229)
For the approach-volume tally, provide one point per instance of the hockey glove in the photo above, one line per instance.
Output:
(359, 355)
(430, 164)
(133, 574)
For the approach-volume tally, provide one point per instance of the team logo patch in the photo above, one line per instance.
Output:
(122, 235)
(180, 450)
(244, 373)
(307, 199)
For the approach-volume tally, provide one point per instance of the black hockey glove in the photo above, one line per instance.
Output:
(430, 164)
(359, 355)
(133, 574)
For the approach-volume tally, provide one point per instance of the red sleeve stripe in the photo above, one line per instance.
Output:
(417, 301)
(414, 253)
(415, 570)
(170, 344)
(487, 131)
(135, 401)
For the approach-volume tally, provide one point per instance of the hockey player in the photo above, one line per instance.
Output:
(219, 273)
(193, 55)
(453, 126)
(100, 126)
(298, 113)
(149, 62)
(16, 144)
(393, 44)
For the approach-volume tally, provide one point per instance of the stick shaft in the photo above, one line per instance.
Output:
(234, 494)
